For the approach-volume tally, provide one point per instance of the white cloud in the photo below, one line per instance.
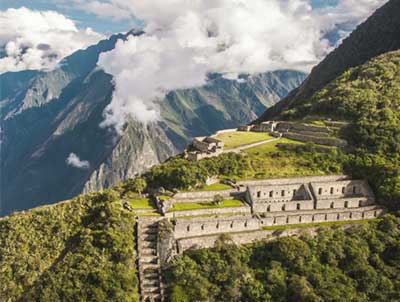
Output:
(39, 39)
(349, 12)
(74, 161)
(187, 39)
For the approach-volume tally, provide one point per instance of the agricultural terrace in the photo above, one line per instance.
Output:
(185, 206)
(241, 138)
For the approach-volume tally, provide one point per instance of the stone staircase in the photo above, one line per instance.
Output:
(150, 280)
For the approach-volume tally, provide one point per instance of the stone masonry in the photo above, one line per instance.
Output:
(277, 202)
(267, 203)
(150, 279)
(205, 147)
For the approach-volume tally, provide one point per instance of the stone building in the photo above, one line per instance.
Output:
(245, 128)
(342, 194)
(275, 198)
(268, 203)
(268, 126)
(207, 144)
(205, 147)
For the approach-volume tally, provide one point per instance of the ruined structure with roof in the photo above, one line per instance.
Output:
(205, 147)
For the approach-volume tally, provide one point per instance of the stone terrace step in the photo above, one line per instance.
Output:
(151, 290)
(152, 298)
(148, 260)
(149, 270)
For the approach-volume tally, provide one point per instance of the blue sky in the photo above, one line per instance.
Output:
(82, 19)
(99, 24)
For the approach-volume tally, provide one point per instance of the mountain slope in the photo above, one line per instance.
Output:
(45, 116)
(379, 34)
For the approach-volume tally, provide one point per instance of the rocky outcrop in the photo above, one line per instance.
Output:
(139, 148)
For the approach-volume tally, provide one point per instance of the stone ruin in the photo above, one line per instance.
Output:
(267, 204)
(274, 202)
(297, 131)
(205, 147)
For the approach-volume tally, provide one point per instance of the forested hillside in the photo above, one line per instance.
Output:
(377, 35)
(369, 97)
(358, 265)
(80, 250)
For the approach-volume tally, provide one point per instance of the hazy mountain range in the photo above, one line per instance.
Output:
(46, 116)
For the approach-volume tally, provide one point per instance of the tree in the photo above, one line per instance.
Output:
(135, 185)
(218, 199)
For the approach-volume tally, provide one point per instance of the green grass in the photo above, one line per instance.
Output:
(267, 148)
(268, 161)
(240, 138)
(185, 206)
(212, 215)
(142, 203)
(213, 187)
(315, 224)
(148, 214)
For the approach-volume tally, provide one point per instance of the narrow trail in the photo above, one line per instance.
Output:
(150, 281)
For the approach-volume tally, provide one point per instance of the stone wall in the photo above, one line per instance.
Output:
(200, 226)
(294, 180)
(326, 215)
(203, 195)
(334, 142)
(287, 192)
(279, 206)
(225, 131)
(342, 194)
(194, 227)
(285, 126)
(342, 203)
(215, 211)
(245, 237)
(340, 189)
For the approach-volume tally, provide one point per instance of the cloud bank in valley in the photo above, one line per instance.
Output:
(31, 39)
(185, 40)
(73, 160)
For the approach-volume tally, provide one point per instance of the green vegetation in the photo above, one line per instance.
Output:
(185, 206)
(132, 186)
(369, 97)
(213, 187)
(268, 148)
(287, 158)
(360, 264)
(266, 160)
(143, 203)
(80, 250)
(240, 138)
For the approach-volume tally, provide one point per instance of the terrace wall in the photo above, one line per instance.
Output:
(203, 195)
(334, 142)
(197, 226)
(193, 227)
(216, 211)
(285, 126)
(285, 181)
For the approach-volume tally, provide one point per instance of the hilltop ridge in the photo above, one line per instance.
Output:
(377, 35)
